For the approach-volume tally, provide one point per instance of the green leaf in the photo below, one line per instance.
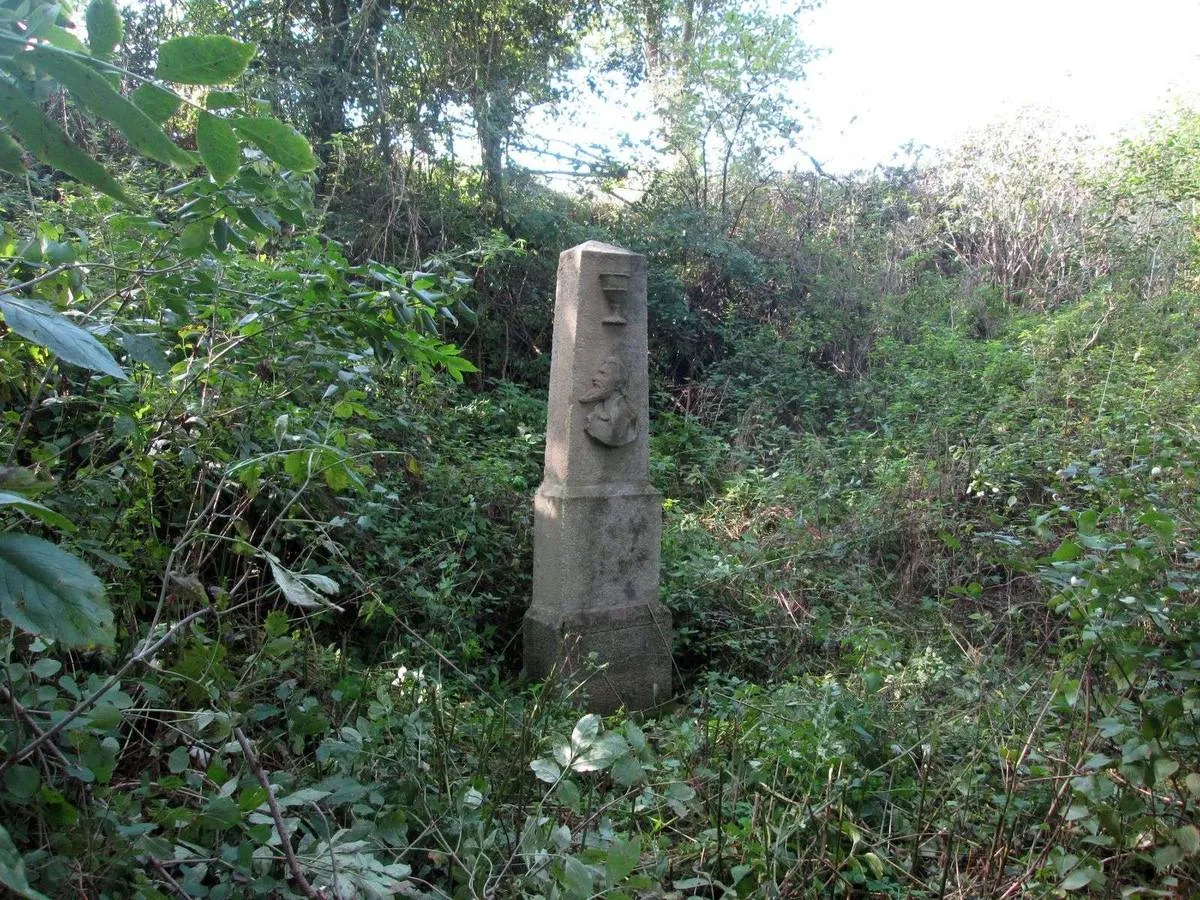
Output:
(35, 321)
(203, 59)
(1193, 784)
(50, 144)
(546, 770)
(1165, 857)
(600, 754)
(585, 731)
(222, 100)
(1162, 525)
(282, 143)
(156, 102)
(178, 760)
(32, 508)
(1067, 551)
(12, 869)
(276, 624)
(218, 146)
(93, 90)
(46, 591)
(11, 155)
(221, 812)
(1188, 838)
(104, 27)
(1080, 878)
(22, 783)
(1164, 768)
(302, 589)
(577, 879)
(145, 349)
(627, 771)
(46, 667)
(194, 236)
(64, 40)
(302, 797)
(622, 859)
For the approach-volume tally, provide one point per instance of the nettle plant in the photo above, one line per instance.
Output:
(183, 364)
(174, 295)
(1127, 583)
(46, 295)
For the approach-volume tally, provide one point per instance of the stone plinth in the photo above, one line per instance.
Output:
(598, 520)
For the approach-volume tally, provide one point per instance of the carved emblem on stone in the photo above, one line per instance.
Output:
(612, 420)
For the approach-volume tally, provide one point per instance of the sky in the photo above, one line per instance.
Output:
(931, 70)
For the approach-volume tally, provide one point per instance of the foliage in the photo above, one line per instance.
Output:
(929, 528)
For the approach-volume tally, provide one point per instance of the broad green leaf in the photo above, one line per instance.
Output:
(11, 155)
(1188, 838)
(12, 869)
(46, 591)
(50, 144)
(220, 812)
(302, 797)
(1164, 768)
(145, 349)
(1193, 784)
(627, 771)
(21, 480)
(203, 59)
(63, 40)
(546, 770)
(37, 322)
(178, 760)
(21, 783)
(874, 863)
(1163, 525)
(157, 103)
(1067, 551)
(622, 859)
(600, 753)
(104, 26)
(218, 146)
(32, 508)
(1165, 857)
(282, 143)
(46, 667)
(194, 236)
(93, 90)
(222, 100)
(585, 731)
(577, 879)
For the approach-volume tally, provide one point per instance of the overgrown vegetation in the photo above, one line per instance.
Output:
(272, 421)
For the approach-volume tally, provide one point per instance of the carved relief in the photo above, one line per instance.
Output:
(612, 420)
(615, 286)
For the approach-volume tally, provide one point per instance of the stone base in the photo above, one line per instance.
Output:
(632, 647)
(595, 590)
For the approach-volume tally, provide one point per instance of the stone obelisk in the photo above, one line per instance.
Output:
(597, 518)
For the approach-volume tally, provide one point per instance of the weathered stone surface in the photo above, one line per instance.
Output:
(597, 518)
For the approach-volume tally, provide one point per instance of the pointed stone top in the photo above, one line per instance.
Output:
(600, 247)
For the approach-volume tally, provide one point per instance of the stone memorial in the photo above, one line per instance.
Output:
(597, 518)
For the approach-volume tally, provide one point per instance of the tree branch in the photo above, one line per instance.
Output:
(284, 837)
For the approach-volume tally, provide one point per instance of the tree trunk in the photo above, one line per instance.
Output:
(492, 122)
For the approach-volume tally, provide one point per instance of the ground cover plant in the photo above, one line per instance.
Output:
(930, 513)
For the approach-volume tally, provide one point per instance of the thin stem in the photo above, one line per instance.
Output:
(84, 705)
(280, 826)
